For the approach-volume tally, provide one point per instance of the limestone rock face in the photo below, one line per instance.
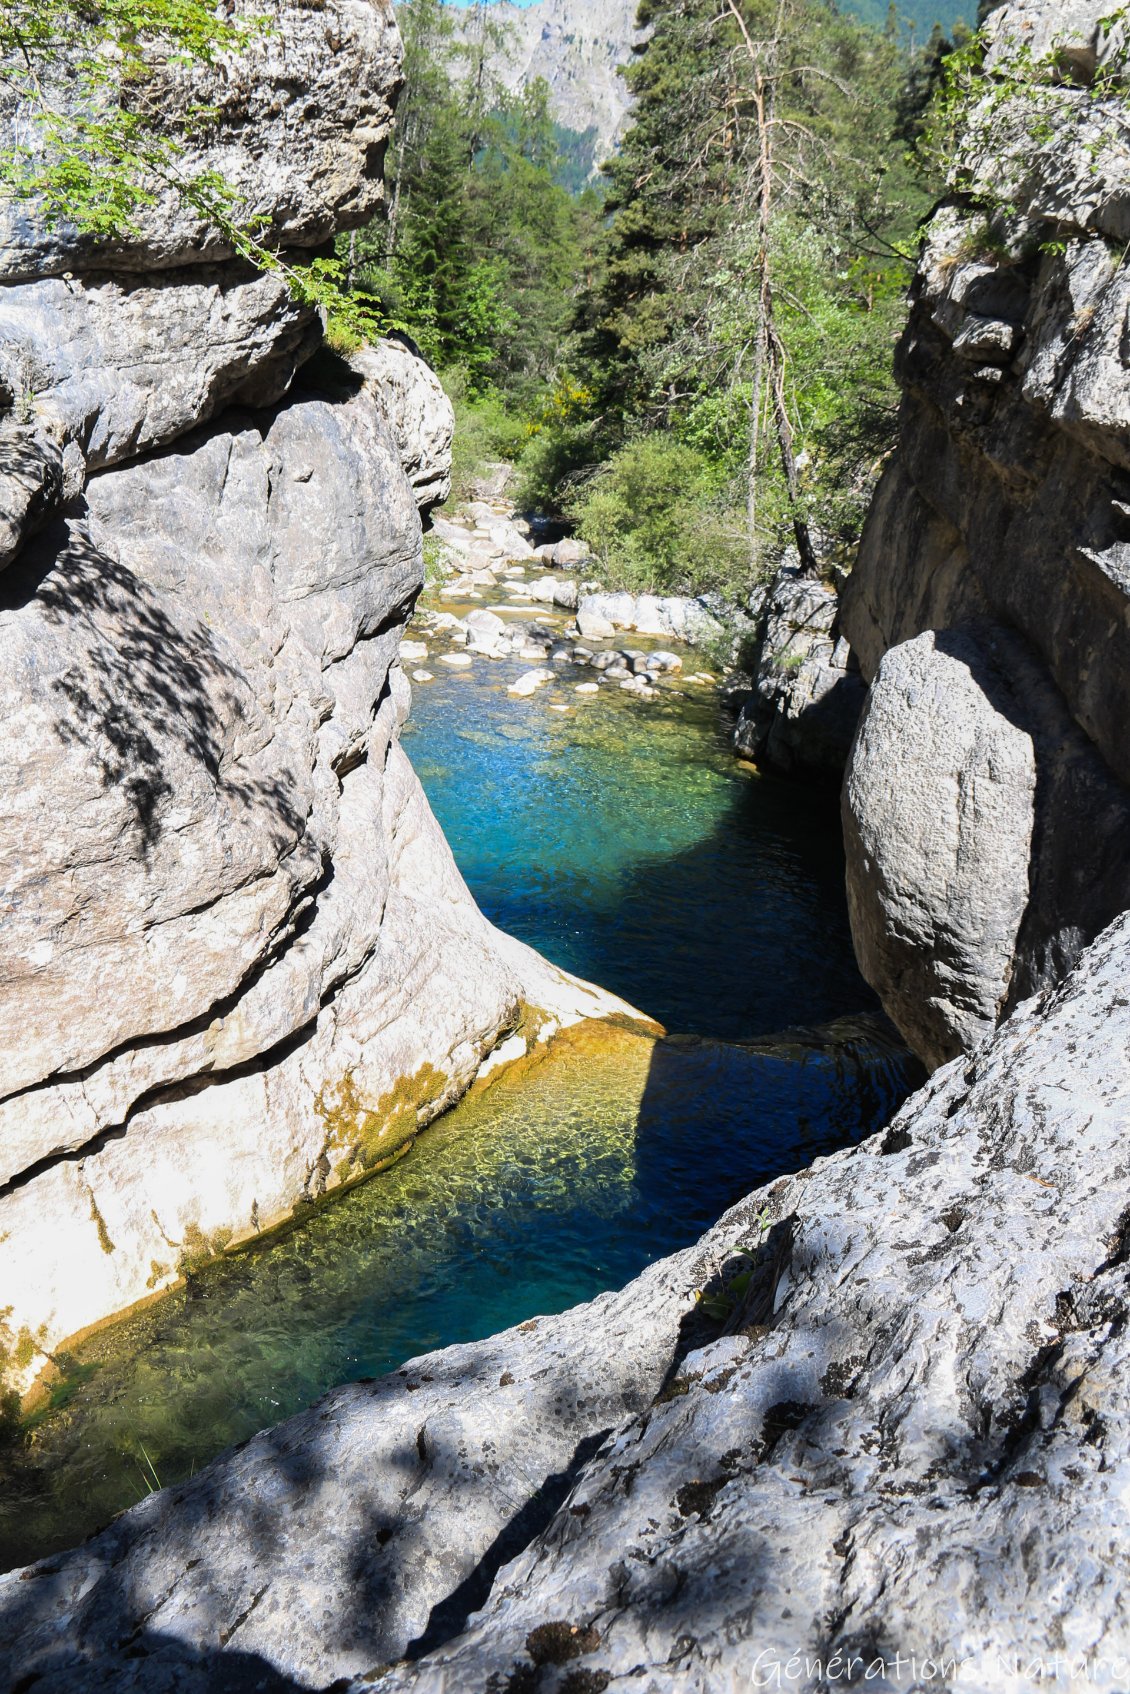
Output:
(1004, 519)
(417, 411)
(120, 364)
(807, 692)
(232, 928)
(302, 119)
(896, 1432)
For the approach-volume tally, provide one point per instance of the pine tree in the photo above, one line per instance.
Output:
(760, 192)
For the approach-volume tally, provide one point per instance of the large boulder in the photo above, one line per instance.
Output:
(684, 617)
(877, 1420)
(417, 411)
(939, 806)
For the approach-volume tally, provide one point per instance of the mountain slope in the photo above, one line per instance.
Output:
(577, 45)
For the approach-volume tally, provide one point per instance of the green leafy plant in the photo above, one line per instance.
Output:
(1001, 100)
(108, 113)
(722, 1303)
(656, 518)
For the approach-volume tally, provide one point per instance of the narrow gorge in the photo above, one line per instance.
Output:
(870, 1424)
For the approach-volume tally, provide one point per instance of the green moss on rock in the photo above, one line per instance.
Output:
(362, 1138)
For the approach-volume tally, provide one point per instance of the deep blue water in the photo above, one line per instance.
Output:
(623, 840)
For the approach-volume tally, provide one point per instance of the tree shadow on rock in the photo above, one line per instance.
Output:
(147, 686)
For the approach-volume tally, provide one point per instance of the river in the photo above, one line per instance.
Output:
(621, 838)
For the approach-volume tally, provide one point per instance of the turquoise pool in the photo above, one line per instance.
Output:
(623, 840)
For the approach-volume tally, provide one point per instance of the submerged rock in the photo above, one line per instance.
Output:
(530, 681)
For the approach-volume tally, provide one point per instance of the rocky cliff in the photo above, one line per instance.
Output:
(987, 803)
(577, 46)
(238, 967)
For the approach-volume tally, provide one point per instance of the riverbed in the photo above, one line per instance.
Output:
(620, 837)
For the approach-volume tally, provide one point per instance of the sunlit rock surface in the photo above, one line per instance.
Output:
(1003, 523)
(238, 966)
(894, 1430)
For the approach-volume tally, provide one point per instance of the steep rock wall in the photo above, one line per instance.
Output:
(238, 967)
(989, 604)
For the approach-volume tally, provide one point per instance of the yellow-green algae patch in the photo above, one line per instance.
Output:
(99, 1223)
(366, 1137)
(199, 1246)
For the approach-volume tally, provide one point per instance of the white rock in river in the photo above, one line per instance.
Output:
(458, 661)
(571, 551)
(411, 650)
(554, 591)
(593, 625)
(510, 542)
(529, 682)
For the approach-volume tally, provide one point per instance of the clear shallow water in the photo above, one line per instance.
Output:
(622, 839)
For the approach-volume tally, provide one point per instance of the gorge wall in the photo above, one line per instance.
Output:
(987, 800)
(238, 966)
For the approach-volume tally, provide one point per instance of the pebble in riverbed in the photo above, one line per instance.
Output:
(423, 676)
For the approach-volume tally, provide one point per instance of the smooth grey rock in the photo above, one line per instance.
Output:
(302, 120)
(905, 1431)
(938, 810)
(120, 365)
(571, 551)
(419, 414)
(488, 633)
